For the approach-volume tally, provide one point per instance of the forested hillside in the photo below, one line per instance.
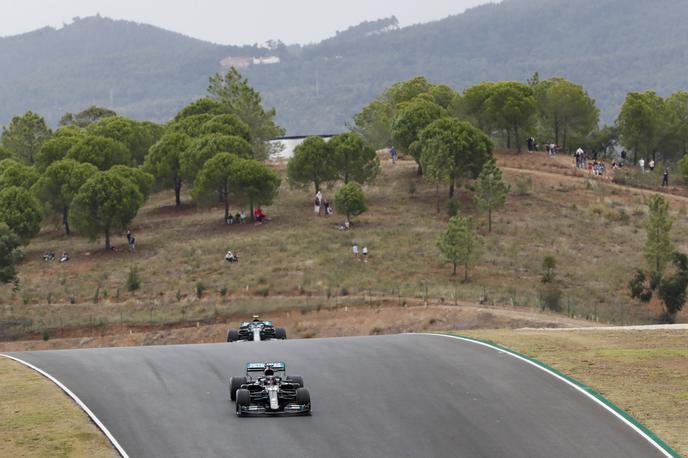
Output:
(611, 47)
(139, 70)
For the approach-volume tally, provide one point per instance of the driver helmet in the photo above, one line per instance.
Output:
(269, 371)
(256, 317)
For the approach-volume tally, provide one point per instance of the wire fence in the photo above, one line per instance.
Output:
(107, 317)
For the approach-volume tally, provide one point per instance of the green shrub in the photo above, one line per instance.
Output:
(550, 297)
(133, 279)
(524, 184)
(200, 289)
(453, 208)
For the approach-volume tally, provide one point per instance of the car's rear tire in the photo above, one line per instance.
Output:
(295, 379)
(243, 398)
(280, 333)
(303, 396)
(232, 335)
(234, 384)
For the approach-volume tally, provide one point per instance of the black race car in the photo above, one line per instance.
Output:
(256, 330)
(266, 389)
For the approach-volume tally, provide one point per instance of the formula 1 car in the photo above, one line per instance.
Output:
(266, 389)
(256, 330)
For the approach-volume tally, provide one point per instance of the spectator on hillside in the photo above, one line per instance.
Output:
(242, 216)
(132, 244)
(237, 218)
(328, 207)
(623, 155)
(259, 215)
(231, 219)
(365, 253)
(49, 255)
(531, 144)
(665, 178)
(641, 164)
(354, 248)
(652, 165)
(128, 237)
(231, 257)
(64, 257)
(393, 155)
(317, 201)
(579, 157)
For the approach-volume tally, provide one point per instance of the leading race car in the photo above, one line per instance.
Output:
(266, 389)
(256, 330)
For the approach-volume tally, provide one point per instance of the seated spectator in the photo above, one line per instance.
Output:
(345, 226)
(238, 219)
(231, 220)
(49, 256)
(65, 257)
(259, 215)
(231, 257)
(328, 207)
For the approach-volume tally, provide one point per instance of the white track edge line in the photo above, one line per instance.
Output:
(568, 382)
(76, 399)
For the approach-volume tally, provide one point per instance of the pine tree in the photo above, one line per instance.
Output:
(491, 190)
(658, 247)
(461, 243)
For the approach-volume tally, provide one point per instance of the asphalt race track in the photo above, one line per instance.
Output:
(388, 396)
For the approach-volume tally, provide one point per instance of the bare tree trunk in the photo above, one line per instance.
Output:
(226, 199)
(65, 220)
(437, 194)
(556, 129)
(465, 272)
(454, 272)
(489, 220)
(107, 240)
(177, 192)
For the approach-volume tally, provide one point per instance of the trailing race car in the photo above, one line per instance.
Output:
(256, 330)
(266, 389)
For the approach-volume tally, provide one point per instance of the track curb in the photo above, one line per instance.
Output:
(585, 389)
(76, 399)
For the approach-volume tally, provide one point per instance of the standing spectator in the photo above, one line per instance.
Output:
(317, 201)
(531, 144)
(354, 248)
(393, 154)
(665, 178)
(652, 165)
(365, 253)
(623, 155)
(641, 164)
(580, 154)
(128, 237)
(132, 244)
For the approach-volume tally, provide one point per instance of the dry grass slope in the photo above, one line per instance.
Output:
(38, 420)
(593, 228)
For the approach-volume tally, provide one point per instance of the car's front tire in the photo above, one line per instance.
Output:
(243, 399)
(232, 335)
(303, 396)
(234, 384)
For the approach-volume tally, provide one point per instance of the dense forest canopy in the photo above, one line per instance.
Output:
(610, 47)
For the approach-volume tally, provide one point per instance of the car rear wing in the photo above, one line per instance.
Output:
(260, 367)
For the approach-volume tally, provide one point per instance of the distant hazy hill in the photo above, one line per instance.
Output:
(138, 70)
(610, 46)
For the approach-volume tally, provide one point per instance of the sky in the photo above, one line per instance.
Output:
(230, 21)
